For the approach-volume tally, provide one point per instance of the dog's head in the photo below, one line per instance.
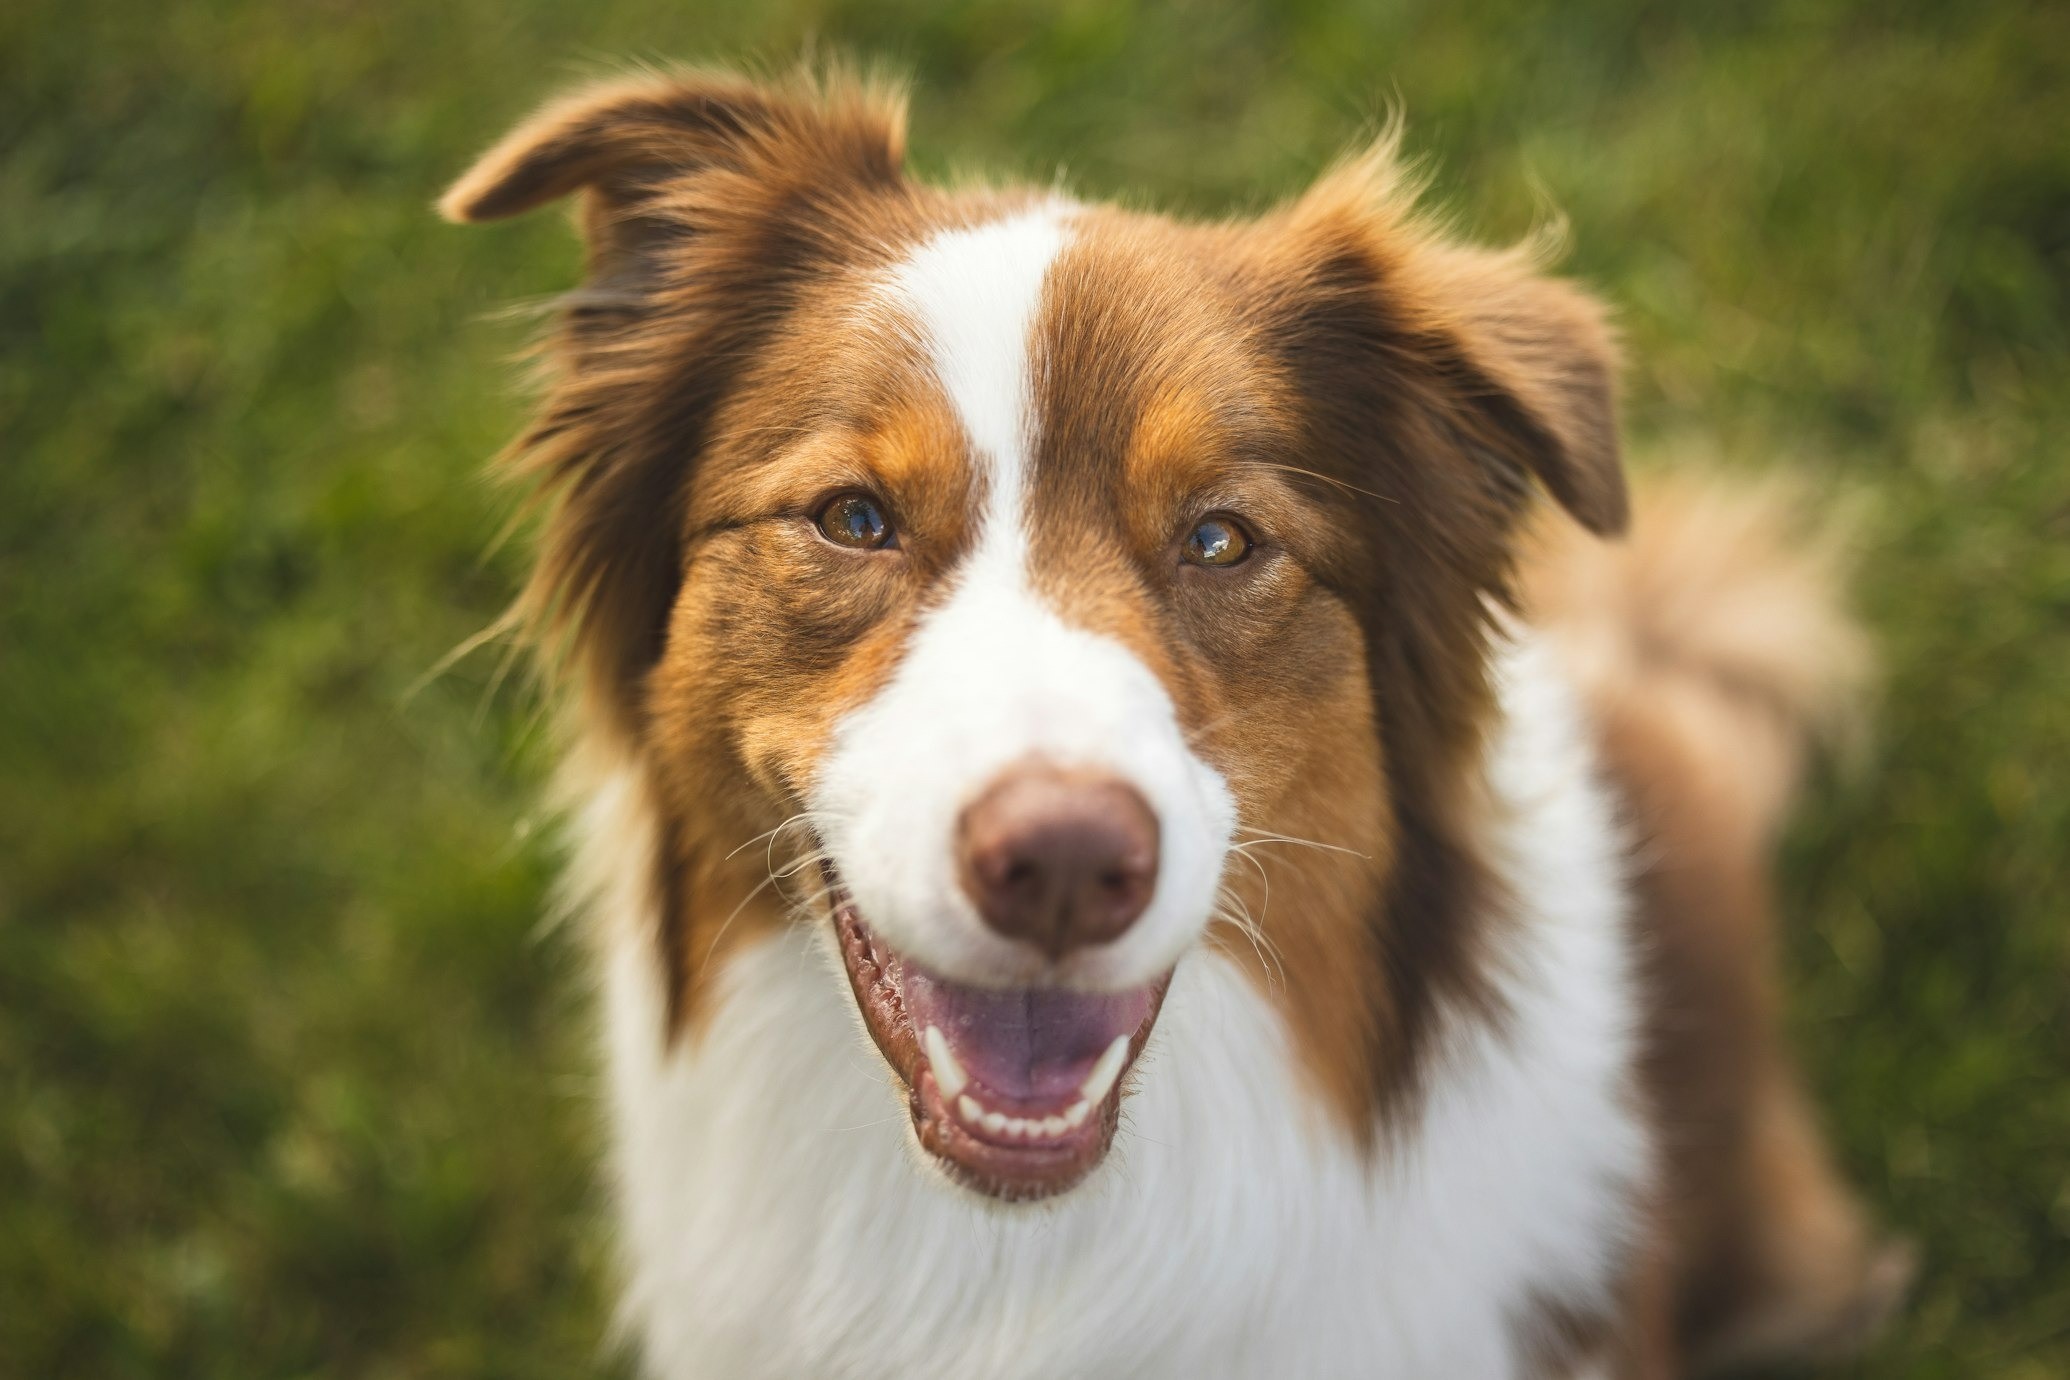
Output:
(1017, 568)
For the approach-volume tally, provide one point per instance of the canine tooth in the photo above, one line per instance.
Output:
(1054, 1126)
(972, 1112)
(948, 1074)
(1100, 1081)
(1075, 1116)
(995, 1122)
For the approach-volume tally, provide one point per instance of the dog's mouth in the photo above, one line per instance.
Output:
(1016, 1091)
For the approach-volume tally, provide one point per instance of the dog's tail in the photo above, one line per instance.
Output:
(1718, 621)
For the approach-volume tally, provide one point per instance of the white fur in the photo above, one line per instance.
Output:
(777, 1220)
(994, 676)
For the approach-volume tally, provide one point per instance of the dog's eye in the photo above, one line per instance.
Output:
(855, 520)
(1218, 541)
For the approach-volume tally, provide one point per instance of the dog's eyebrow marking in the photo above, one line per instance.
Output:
(973, 296)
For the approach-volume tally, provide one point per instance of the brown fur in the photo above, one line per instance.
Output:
(1712, 652)
(716, 213)
(1435, 380)
(1377, 400)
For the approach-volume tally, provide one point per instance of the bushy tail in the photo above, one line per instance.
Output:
(1719, 619)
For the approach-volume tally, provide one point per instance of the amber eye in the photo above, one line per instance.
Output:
(1218, 541)
(855, 520)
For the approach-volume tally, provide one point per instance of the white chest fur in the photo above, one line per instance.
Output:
(777, 1221)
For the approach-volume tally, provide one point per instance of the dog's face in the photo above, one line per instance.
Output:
(1009, 565)
(994, 576)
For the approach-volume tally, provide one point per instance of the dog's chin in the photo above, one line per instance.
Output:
(1015, 1091)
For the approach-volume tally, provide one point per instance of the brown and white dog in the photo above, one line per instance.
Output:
(1111, 853)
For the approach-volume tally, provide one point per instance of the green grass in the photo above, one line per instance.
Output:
(290, 1082)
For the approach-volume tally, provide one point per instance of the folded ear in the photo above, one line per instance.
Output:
(1537, 359)
(1518, 368)
(619, 138)
(622, 142)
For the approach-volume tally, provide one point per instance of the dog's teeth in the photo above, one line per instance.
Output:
(1100, 1081)
(1037, 1128)
(948, 1074)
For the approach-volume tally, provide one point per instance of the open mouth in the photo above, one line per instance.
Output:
(1016, 1091)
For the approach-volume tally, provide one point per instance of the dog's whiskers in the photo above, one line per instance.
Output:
(1345, 485)
(1231, 911)
(1268, 836)
(776, 875)
(805, 817)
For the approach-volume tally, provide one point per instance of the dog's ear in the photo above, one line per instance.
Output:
(1517, 368)
(709, 204)
(621, 143)
(1436, 385)
(615, 139)
(1538, 361)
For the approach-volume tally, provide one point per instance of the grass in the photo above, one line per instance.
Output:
(291, 1084)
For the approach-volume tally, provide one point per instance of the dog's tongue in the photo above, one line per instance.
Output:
(1035, 1044)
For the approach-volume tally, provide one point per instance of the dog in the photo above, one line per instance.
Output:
(1122, 837)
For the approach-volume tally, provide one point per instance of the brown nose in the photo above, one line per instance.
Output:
(1058, 859)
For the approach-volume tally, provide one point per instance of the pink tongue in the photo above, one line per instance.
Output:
(1036, 1043)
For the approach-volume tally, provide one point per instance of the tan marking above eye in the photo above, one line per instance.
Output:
(1218, 541)
(856, 520)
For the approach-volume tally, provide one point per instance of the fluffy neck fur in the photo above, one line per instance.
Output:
(776, 1220)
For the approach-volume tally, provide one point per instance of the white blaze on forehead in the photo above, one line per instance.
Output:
(994, 675)
(973, 296)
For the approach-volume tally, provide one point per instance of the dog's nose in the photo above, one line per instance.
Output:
(1058, 859)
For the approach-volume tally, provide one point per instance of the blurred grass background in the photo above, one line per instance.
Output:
(290, 1084)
